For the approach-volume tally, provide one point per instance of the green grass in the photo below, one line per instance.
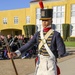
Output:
(69, 44)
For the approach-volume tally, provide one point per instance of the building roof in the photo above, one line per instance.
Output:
(42, 0)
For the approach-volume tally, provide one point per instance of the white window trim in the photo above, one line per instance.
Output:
(16, 20)
(27, 19)
(4, 20)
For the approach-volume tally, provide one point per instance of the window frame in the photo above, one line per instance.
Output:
(16, 20)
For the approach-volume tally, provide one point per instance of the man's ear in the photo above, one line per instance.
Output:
(51, 21)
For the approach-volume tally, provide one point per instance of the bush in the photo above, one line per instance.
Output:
(66, 33)
(29, 30)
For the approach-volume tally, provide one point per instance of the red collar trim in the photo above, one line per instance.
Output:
(46, 29)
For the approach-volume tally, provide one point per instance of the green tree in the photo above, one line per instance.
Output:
(29, 30)
(66, 29)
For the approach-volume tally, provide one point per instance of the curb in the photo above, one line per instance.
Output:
(70, 47)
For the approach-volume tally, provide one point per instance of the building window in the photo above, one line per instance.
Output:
(15, 20)
(58, 17)
(4, 20)
(38, 16)
(59, 8)
(38, 13)
(73, 7)
(27, 19)
(72, 26)
(73, 14)
(58, 11)
(38, 21)
(73, 10)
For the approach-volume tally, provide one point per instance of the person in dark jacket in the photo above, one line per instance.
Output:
(50, 46)
(14, 45)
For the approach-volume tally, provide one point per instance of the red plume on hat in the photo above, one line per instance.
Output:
(41, 4)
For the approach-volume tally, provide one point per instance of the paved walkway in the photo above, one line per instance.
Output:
(67, 67)
(67, 63)
(27, 66)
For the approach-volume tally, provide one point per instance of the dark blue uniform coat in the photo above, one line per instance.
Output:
(57, 44)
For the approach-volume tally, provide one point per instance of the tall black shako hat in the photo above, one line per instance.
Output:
(46, 14)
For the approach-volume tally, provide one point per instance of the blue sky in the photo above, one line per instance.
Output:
(14, 4)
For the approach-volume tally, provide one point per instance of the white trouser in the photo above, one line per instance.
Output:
(45, 66)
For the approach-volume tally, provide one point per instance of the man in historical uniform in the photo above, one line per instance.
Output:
(50, 46)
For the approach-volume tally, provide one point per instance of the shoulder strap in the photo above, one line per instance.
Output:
(45, 37)
(45, 44)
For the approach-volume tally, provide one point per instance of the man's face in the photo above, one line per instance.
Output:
(46, 23)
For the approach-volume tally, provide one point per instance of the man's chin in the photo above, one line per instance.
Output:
(45, 27)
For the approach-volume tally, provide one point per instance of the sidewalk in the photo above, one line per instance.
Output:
(67, 67)
(67, 63)
(27, 66)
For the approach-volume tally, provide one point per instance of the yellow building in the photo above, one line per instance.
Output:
(12, 21)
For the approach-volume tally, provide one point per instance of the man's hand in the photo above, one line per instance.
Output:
(11, 54)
